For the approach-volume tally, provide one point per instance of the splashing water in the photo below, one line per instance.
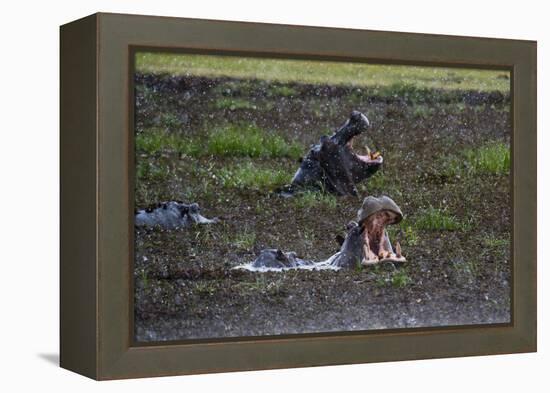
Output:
(260, 266)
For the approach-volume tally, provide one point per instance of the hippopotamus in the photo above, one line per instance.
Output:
(333, 166)
(171, 215)
(367, 242)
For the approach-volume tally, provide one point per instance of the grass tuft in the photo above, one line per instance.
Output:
(379, 181)
(433, 219)
(313, 199)
(401, 279)
(250, 141)
(238, 140)
(248, 176)
(244, 240)
(157, 140)
(234, 104)
(492, 159)
(282, 90)
(405, 232)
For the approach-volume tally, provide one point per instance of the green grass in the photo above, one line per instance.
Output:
(405, 232)
(282, 91)
(235, 140)
(492, 159)
(205, 288)
(311, 199)
(400, 279)
(250, 141)
(156, 140)
(244, 240)
(263, 285)
(233, 104)
(249, 176)
(323, 72)
(494, 242)
(379, 181)
(433, 219)
(149, 172)
(422, 111)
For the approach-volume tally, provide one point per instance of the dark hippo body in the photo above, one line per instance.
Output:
(349, 256)
(171, 215)
(332, 165)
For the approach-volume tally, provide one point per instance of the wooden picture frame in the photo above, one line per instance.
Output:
(97, 204)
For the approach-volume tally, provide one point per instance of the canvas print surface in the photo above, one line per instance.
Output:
(287, 196)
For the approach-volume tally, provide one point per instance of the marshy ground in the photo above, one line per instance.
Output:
(227, 143)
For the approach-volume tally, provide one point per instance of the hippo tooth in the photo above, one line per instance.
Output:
(398, 249)
(366, 251)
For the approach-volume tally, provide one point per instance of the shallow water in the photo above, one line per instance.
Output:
(322, 265)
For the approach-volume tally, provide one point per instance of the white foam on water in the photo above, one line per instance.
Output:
(322, 265)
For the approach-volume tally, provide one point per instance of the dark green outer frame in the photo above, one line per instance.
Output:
(97, 196)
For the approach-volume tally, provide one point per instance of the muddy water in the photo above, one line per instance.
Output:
(185, 282)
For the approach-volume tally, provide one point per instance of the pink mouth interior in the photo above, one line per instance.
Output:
(367, 158)
(375, 248)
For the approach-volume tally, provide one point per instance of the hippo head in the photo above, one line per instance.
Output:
(375, 214)
(171, 215)
(334, 163)
(367, 241)
(275, 259)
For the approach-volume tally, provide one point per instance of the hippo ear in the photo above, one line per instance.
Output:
(335, 169)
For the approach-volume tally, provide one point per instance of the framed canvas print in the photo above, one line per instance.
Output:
(240, 196)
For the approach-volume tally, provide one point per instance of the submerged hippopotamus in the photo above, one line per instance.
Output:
(366, 243)
(333, 166)
(171, 215)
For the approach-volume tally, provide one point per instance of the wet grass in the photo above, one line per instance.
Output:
(157, 140)
(406, 233)
(233, 104)
(400, 279)
(434, 219)
(250, 141)
(397, 79)
(422, 111)
(379, 181)
(312, 199)
(492, 241)
(244, 240)
(492, 159)
(250, 176)
(147, 171)
(282, 91)
(243, 140)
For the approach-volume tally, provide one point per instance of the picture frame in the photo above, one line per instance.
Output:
(96, 143)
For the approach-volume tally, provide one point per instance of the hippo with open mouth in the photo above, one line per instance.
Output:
(367, 240)
(332, 164)
(367, 243)
(171, 215)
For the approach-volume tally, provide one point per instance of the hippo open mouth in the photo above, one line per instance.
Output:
(373, 217)
(367, 243)
(334, 165)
